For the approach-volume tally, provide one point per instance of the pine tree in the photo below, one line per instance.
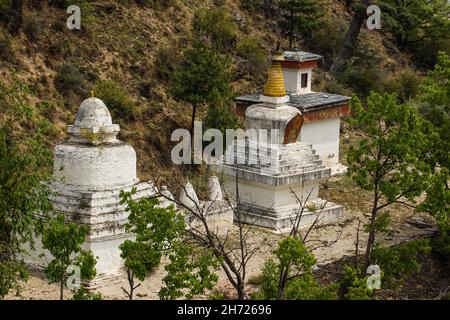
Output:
(299, 17)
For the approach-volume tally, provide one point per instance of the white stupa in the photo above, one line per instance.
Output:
(90, 170)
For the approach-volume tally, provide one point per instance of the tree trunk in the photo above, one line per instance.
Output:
(61, 291)
(371, 239)
(17, 12)
(349, 42)
(194, 110)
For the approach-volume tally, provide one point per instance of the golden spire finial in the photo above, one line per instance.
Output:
(92, 94)
(275, 83)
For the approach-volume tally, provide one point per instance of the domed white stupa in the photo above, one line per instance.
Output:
(93, 158)
(90, 170)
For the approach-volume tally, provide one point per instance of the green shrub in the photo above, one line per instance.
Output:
(64, 48)
(7, 51)
(362, 78)
(399, 261)
(292, 258)
(32, 27)
(116, 99)
(167, 61)
(327, 40)
(70, 79)
(251, 5)
(354, 285)
(405, 84)
(216, 27)
(252, 50)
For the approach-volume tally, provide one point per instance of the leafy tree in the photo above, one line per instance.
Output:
(189, 272)
(25, 160)
(289, 276)
(252, 50)
(64, 241)
(117, 99)
(205, 77)
(419, 25)
(353, 285)
(399, 261)
(160, 232)
(215, 28)
(435, 106)
(155, 228)
(349, 42)
(390, 160)
(437, 204)
(299, 17)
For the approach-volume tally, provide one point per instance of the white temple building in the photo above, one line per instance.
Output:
(321, 111)
(269, 171)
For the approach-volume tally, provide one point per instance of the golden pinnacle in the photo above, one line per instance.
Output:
(275, 82)
(92, 94)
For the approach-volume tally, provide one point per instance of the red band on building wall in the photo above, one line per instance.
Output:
(298, 65)
(328, 113)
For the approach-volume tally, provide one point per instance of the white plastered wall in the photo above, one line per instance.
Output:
(324, 136)
(293, 80)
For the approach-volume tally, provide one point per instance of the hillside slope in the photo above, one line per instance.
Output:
(137, 47)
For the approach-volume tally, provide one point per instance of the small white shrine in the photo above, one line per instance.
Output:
(90, 170)
(262, 174)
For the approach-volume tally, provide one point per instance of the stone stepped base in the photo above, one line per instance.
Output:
(280, 220)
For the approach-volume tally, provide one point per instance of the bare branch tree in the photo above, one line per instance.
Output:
(233, 257)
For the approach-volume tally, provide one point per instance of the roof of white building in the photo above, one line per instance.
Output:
(304, 102)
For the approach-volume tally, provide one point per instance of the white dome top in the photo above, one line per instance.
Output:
(93, 113)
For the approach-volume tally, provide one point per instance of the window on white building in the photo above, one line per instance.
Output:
(304, 82)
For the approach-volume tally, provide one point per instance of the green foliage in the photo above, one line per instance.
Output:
(251, 5)
(289, 275)
(354, 285)
(70, 79)
(221, 117)
(214, 27)
(159, 233)
(7, 51)
(327, 39)
(299, 17)
(381, 222)
(437, 204)
(205, 76)
(252, 50)
(83, 294)
(116, 98)
(392, 159)
(32, 26)
(167, 59)
(155, 228)
(64, 241)
(141, 258)
(189, 272)
(362, 77)
(25, 160)
(419, 25)
(405, 84)
(435, 99)
(399, 261)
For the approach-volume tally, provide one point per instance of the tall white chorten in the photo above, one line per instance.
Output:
(90, 170)
(272, 168)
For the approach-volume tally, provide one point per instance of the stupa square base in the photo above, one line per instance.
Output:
(281, 220)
